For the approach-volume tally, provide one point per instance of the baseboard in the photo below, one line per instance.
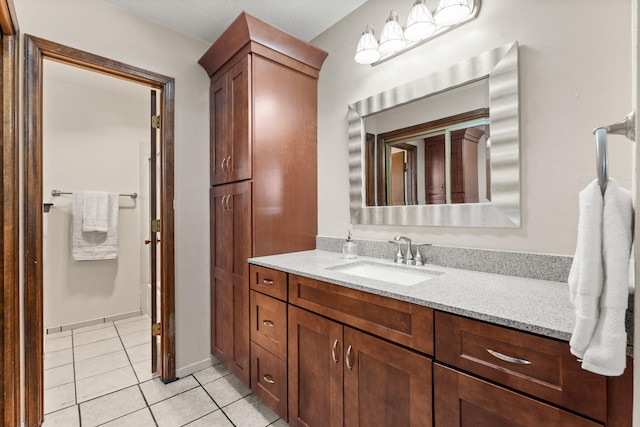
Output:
(195, 367)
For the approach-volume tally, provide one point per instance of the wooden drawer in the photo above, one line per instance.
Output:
(269, 379)
(461, 400)
(269, 323)
(541, 367)
(404, 323)
(268, 281)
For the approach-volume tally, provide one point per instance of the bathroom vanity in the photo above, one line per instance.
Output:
(331, 347)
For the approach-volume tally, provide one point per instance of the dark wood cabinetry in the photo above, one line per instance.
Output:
(461, 400)
(230, 207)
(263, 114)
(464, 167)
(341, 376)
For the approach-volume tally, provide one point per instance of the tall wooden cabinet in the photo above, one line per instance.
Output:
(263, 131)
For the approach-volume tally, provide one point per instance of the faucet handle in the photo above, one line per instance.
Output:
(418, 258)
(398, 256)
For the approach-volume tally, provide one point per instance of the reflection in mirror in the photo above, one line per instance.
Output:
(442, 150)
(445, 160)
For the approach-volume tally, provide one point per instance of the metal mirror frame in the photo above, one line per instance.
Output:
(500, 66)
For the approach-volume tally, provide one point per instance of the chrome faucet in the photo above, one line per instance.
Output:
(406, 256)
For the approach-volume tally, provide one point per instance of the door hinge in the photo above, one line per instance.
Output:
(155, 225)
(155, 329)
(155, 121)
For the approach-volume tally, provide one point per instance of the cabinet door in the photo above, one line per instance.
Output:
(435, 172)
(461, 400)
(230, 249)
(315, 370)
(385, 385)
(230, 100)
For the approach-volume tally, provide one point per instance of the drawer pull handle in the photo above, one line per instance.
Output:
(508, 358)
(268, 378)
(267, 282)
(268, 323)
(334, 352)
(349, 364)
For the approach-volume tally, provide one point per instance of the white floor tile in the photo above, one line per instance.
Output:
(183, 408)
(58, 358)
(250, 412)
(57, 344)
(68, 417)
(217, 419)
(227, 390)
(101, 364)
(136, 338)
(95, 335)
(279, 423)
(96, 349)
(155, 390)
(58, 376)
(143, 371)
(134, 326)
(57, 335)
(99, 385)
(59, 398)
(90, 328)
(111, 406)
(211, 373)
(139, 353)
(131, 319)
(141, 418)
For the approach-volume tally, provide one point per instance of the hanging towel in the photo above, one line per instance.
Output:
(600, 300)
(92, 245)
(95, 211)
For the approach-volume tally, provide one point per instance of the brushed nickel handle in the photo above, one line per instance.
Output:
(229, 164)
(334, 352)
(267, 282)
(268, 323)
(508, 358)
(349, 364)
(224, 202)
(268, 378)
(224, 169)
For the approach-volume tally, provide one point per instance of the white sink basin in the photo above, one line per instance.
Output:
(399, 275)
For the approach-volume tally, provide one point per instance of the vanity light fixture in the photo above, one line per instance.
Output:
(421, 26)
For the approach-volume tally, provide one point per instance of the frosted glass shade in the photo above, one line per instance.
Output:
(391, 38)
(367, 51)
(452, 12)
(420, 23)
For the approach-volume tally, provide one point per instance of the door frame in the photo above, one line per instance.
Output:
(9, 233)
(36, 50)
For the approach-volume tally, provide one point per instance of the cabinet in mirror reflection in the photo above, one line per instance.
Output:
(447, 160)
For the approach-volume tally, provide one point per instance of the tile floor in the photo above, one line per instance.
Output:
(101, 376)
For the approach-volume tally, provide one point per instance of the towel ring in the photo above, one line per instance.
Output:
(626, 127)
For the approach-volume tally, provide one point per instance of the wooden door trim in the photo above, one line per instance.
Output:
(36, 50)
(9, 234)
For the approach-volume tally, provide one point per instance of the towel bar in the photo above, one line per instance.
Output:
(626, 127)
(56, 193)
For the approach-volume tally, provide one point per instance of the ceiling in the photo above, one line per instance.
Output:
(207, 19)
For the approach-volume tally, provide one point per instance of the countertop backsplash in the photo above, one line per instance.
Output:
(534, 266)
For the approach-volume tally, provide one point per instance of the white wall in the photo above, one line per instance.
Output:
(575, 75)
(99, 28)
(92, 132)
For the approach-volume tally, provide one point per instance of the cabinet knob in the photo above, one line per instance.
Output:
(268, 378)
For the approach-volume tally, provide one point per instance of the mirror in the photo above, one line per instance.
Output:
(450, 139)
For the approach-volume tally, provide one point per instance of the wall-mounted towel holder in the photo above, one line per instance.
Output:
(626, 127)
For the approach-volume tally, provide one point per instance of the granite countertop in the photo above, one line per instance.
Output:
(531, 305)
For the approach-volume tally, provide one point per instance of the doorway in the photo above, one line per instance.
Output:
(36, 51)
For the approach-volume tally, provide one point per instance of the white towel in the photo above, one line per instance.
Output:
(95, 211)
(599, 278)
(86, 246)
